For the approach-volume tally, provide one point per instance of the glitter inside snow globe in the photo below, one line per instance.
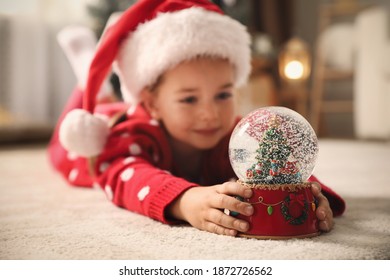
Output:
(273, 150)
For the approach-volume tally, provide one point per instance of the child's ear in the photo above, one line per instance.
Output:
(149, 101)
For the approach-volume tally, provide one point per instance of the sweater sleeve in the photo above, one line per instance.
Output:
(136, 185)
(133, 169)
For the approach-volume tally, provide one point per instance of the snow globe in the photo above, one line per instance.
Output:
(273, 150)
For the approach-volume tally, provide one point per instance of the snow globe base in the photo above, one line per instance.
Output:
(281, 211)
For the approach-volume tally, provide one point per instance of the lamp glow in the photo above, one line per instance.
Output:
(294, 70)
(294, 61)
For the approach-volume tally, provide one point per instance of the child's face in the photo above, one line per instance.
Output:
(195, 102)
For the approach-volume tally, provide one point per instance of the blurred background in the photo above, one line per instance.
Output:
(328, 60)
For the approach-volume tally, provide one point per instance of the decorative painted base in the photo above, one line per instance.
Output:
(280, 237)
(281, 212)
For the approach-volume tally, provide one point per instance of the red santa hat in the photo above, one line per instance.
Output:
(149, 38)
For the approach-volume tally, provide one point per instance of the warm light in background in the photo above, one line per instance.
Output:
(294, 70)
(294, 64)
(294, 61)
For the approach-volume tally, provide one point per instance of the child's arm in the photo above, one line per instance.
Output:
(201, 207)
(134, 184)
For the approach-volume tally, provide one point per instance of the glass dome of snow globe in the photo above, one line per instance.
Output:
(273, 145)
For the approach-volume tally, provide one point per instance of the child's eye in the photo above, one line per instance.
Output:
(188, 100)
(224, 95)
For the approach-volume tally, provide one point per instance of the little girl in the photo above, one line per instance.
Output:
(164, 151)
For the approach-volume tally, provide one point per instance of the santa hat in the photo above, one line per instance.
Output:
(149, 38)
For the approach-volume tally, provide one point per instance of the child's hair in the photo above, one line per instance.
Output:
(149, 38)
(160, 79)
(154, 87)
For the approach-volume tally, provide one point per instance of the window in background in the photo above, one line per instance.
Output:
(35, 77)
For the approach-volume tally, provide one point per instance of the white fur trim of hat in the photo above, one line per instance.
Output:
(171, 38)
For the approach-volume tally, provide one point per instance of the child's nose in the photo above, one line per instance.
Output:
(209, 112)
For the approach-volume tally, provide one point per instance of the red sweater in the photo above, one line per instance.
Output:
(136, 169)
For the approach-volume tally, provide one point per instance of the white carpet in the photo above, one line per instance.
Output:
(41, 217)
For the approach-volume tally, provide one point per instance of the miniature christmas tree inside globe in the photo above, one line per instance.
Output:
(273, 145)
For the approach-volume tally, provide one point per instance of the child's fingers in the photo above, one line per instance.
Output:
(223, 201)
(233, 188)
(325, 219)
(214, 228)
(219, 218)
(325, 226)
(316, 189)
(323, 212)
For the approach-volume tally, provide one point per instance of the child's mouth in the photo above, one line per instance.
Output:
(207, 131)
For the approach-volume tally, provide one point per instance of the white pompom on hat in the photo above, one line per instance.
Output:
(151, 37)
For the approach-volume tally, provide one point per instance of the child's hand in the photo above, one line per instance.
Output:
(324, 213)
(202, 207)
